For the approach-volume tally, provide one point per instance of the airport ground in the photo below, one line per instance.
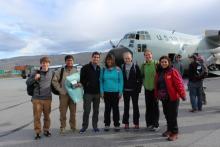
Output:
(200, 129)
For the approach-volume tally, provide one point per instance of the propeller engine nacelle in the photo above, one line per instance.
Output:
(118, 53)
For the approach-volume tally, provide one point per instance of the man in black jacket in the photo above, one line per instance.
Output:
(132, 88)
(197, 73)
(89, 78)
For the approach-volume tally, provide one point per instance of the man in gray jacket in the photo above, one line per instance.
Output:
(65, 100)
(177, 64)
(42, 97)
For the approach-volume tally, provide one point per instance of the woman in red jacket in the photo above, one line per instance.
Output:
(169, 88)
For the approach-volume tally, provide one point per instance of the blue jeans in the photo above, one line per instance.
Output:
(195, 93)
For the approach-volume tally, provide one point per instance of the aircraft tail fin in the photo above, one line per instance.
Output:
(213, 36)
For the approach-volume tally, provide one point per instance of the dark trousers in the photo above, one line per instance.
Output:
(111, 100)
(195, 93)
(87, 100)
(204, 101)
(170, 110)
(134, 97)
(152, 109)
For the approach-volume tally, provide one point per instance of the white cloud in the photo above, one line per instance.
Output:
(49, 26)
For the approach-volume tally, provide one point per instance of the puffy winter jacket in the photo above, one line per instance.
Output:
(174, 84)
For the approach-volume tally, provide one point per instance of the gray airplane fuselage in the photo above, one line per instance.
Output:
(162, 42)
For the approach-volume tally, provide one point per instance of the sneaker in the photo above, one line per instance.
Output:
(117, 128)
(173, 137)
(136, 127)
(150, 127)
(166, 134)
(96, 130)
(83, 130)
(37, 136)
(155, 129)
(106, 129)
(47, 133)
(126, 126)
(62, 131)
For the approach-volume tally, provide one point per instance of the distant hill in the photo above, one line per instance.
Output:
(80, 58)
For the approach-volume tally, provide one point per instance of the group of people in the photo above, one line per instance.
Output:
(162, 82)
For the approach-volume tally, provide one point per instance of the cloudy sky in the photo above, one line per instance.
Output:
(33, 27)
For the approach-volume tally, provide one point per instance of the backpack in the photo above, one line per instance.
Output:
(31, 86)
(30, 89)
(53, 89)
(201, 71)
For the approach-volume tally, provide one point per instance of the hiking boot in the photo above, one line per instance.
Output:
(47, 133)
(106, 129)
(62, 131)
(166, 134)
(37, 136)
(173, 137)
(126, 126)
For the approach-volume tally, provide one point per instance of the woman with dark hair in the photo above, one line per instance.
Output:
(111, 87)
(169, 88)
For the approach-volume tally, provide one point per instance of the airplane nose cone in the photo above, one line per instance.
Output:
(118, 53)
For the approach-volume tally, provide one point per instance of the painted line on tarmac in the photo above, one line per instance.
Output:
(9, 107)
(113, 135)
(15, 130)
(21, 127)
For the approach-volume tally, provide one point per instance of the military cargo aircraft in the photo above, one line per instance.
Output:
(170, 43)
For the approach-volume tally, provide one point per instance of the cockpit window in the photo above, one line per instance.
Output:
(141, 37)
(129, 36)
(144, 35)
(126, 36)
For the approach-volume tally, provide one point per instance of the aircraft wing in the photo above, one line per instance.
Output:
(213, 36)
